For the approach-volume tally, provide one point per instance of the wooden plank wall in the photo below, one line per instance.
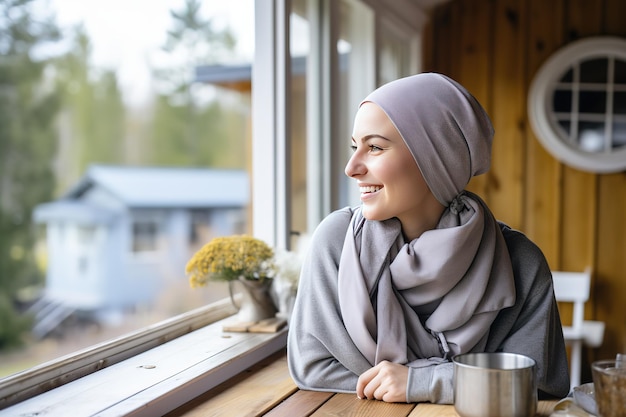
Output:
(578, 219)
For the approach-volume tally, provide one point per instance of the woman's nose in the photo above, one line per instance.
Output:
(354, 166)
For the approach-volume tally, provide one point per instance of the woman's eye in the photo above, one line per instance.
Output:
(375, 148)
(353, 147)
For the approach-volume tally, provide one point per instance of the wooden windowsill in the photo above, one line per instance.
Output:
(267, 390)
(153, 382)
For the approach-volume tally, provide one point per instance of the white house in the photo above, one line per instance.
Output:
(122, 234)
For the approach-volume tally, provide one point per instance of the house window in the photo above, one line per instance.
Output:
(145, 234)
(83, 265)
(577, 104)
(199, 227)
(86, 234)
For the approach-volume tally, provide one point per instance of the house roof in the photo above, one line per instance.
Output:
(77, 211)
(167, 187)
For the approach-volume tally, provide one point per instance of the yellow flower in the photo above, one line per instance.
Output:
(229, 258)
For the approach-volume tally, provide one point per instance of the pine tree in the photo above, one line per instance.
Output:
(28, 105)
(188, 128)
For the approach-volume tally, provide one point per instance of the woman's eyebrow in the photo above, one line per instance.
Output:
(371, 136)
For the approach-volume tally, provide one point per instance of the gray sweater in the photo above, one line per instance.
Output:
(322, 356)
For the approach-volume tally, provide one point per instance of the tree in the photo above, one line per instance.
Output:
(28, 106)
(93, 113)
(188, 128)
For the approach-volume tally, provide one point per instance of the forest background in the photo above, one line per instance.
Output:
(59, 114)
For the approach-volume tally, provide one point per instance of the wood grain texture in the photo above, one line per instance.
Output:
(544, 409)
(505, 191)
(251, 393)
(350, 405)
(301, 403)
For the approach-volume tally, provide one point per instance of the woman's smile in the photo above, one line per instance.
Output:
(369, 190)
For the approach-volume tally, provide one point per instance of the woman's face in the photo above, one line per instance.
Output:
(389, 179)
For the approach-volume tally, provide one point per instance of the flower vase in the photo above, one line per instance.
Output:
(283, 293)
(256, 302)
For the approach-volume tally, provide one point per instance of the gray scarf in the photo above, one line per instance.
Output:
(436, 296)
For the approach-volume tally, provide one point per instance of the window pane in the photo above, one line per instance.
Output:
(300, 47)
(591, 136)
(620, 72)
(562, 101)
(136, 114)
(619, 135)
(594, 71)
(356, 32)
(619, 102)
(145, 236)
(565, 125)
(396, 52)
(568, 77)
(592, 102)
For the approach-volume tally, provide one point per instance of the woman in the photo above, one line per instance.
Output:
(421, 270)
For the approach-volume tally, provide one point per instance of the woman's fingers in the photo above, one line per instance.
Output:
(363, 388)
(386, 381)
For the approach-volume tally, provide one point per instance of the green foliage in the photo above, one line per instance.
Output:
(198, 42)
(212, 136)
(93, 116)
(187, 128)
(27, 140)
(12, 324)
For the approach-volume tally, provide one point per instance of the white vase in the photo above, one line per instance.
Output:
(283, 293)
(256, 302)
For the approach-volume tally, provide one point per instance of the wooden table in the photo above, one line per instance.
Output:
(266, 389)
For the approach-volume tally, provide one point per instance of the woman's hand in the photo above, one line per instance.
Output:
(386, 381)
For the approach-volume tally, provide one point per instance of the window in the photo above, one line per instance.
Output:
(120, 109)
(577, 104)
(199, 228)
(86, 234)
(145, 234)
(352, 46)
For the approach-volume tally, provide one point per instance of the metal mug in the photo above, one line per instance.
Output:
(494, 385)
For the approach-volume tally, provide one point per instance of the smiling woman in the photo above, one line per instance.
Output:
(421, 271)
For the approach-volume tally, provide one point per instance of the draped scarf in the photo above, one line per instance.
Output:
(433, 297)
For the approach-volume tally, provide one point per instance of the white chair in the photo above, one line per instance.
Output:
(573, 287)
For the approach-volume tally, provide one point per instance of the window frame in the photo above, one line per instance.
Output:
(540, 104)
(55, 373)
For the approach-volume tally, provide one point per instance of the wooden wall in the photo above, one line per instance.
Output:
(494, 48)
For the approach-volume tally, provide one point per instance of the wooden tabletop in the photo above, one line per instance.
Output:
(266, 389)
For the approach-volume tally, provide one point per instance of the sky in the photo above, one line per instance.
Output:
(126, 33)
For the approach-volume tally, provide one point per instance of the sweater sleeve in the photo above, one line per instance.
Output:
(431, 384)
(321, 355)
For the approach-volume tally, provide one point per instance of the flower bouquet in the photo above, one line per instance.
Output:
(243, 259)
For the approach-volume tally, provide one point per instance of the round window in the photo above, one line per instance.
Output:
(577, 104)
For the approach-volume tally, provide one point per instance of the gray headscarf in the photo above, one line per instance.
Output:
(436, 296)
(447, 131)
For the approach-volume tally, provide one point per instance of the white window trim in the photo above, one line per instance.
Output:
(158, 380)
(539, 103)
(50, 375)
(271, 81)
